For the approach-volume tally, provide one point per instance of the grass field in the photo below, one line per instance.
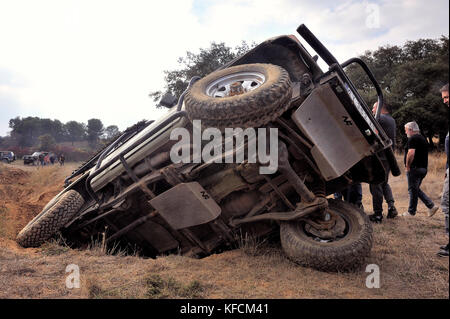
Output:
(404, 249)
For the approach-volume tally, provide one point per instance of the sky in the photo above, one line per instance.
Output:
(77, 60)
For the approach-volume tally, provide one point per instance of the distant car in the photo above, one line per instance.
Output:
(7, 156)
(33, 158)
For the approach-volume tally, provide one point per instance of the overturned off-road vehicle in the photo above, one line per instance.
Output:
(134, 193)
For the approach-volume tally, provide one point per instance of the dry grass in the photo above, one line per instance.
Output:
(404, 249)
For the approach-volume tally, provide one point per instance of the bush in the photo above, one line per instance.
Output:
(73, 154)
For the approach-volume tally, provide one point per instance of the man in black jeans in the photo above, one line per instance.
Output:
(383, 189)
(416, 163)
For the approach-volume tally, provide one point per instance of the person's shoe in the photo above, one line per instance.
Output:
(408, 214)
(392, 213)
(444, 247)
(443, 253)
(433, 210)
(376, 218)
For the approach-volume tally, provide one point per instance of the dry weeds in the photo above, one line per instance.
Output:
(404, 249)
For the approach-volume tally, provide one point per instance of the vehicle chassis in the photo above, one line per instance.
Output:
(299, 188)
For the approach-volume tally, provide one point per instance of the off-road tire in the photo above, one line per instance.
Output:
(346, 254)
(50, 220)
(250, 109)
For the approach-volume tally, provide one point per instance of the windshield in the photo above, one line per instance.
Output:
(35, 154)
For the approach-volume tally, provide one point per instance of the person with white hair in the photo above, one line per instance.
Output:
(416, 165)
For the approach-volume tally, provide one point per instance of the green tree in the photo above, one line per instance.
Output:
(75, 131)
(95, 129)
(46, 142)
(199, 64)
(25, 130)
(410, 77)
(111, 132)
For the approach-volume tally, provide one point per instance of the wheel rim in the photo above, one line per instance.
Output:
(315, 237)
(249, 81)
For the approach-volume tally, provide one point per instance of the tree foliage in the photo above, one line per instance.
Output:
(410, 76)
(111, 132)
(46, 142)
(95, 130)
(36, 132)
(75, 131)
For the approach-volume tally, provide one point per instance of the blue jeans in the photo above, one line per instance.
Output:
(415, 177)
(444, 201)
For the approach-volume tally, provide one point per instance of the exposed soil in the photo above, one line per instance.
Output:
(404, 250)
(24, 191)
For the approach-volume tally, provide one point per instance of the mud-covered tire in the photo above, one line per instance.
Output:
(250, 109)
(50, 220)
(346, 254)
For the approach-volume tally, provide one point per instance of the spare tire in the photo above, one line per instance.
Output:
(50, 220)
(266, 94)
(344, 253)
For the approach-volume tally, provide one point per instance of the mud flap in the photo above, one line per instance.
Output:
(186, 205)
(392, 162)
(369, 170)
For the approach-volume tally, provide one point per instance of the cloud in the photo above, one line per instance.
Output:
(345, 27)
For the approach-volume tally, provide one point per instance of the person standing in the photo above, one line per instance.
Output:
(383, 189)
(61, 159)
(41, 159)
(443, 252)
(47, 159)
(416, 164)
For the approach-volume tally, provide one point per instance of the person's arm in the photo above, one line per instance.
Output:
(410, 158)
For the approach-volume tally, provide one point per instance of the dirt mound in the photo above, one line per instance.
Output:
(11, 175)
(23, 194)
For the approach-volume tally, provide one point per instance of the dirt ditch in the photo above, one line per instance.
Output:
(404, 250)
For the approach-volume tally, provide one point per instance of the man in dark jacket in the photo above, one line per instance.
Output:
(416, 165)
(444, 201)
(379, 191)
